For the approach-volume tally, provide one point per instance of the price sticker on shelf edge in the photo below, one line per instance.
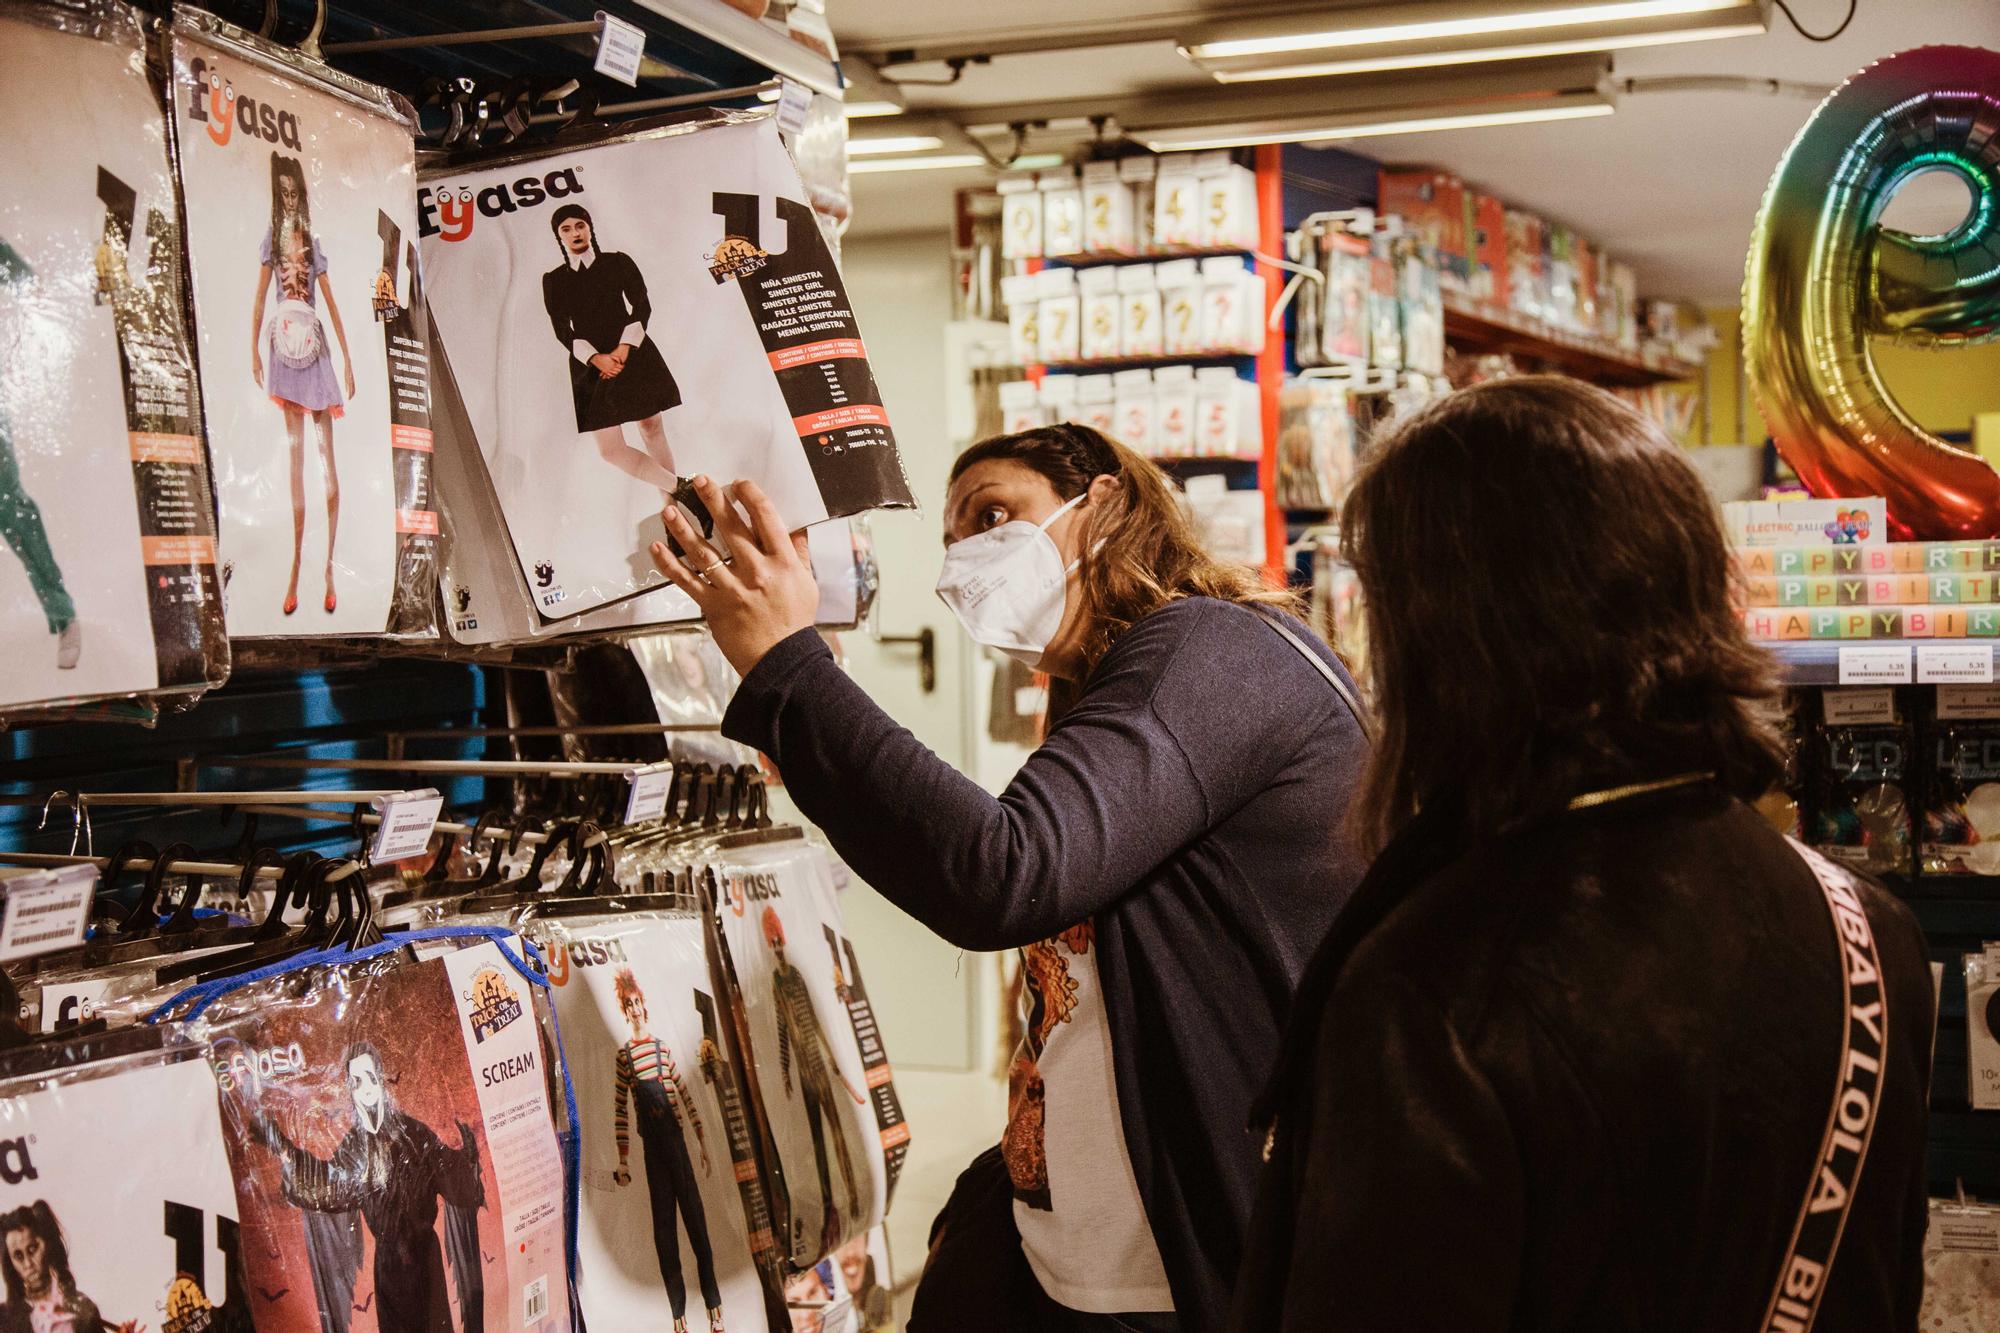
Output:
(408, 818)
(650, 787)
(621, 46)
(1875, 664)
(793, 99)
(46, 910)
(1955, 664)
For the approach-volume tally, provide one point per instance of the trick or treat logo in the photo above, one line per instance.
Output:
(188, 1309)
(494, 1003)
(450, 213)
(16, 1166)
(250, 1067)
(751, 888)
(212, 100)
(736, 257)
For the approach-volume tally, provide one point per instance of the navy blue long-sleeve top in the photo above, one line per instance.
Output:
(1191, 803)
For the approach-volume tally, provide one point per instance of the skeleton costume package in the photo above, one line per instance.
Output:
(108, 587)
(299, 187)
(821, 1081)
(394, 1144)
(633, 310)
(672, 1204)
(117, 1209)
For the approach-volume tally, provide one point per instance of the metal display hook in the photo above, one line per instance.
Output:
(54, 860)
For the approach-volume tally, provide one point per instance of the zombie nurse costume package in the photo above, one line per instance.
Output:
(631, 309)
(299, 186)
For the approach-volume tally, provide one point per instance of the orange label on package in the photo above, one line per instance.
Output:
(411, 437)
(187, 550)
(153, 447)
(840, 418)
(423, 522)
(832, 349)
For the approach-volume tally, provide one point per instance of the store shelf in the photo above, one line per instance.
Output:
(1234, 360)
(767, 44)
(1475, 326)
(1150, 257)
(1817, 661)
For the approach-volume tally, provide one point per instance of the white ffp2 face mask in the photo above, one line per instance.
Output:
(1008, 586)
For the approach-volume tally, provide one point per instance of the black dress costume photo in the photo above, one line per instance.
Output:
(594, 299)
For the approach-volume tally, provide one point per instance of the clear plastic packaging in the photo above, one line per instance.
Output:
(633, 308)
(822, 1088)
(391, 1119)
(298, 186)
(120, 1208)
(104, 487)
(672, 1199)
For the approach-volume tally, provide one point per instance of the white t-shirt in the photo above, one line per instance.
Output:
(1076, 1201)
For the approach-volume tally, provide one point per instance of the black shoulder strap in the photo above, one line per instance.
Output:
(1850, 1122)
(1340, 686)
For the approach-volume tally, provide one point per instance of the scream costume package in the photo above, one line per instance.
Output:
(108, 586)
(299, 185)
(665, 1230)
(822, 1086)
(389, 1126)
(1962, 805)
(622, 315)
(148, 1240)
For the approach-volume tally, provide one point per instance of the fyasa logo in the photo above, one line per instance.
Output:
(545, 574)
(212, 100)
(736, 257)
(443, 211)
(494, 1003)
(15, 1164)
(463, 596)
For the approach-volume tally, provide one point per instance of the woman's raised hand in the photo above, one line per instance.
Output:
(754, 583)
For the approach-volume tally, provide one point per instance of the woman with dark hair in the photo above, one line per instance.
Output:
(1592, 1046)
(1164, 861)
(299, 374)
(41, 1291)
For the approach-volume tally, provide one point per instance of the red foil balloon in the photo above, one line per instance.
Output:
(1824, 276)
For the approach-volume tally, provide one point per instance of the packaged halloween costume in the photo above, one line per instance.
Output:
(634, 308)
(152, 1242)
(109, 585)
(299, 186)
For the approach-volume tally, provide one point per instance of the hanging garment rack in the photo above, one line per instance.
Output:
(289, 796)
(474, 37)
(464, 768)
(56, 860)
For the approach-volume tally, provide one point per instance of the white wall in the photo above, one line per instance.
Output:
(936, 1006)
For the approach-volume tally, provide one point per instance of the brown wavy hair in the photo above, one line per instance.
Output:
(1548, 603)
(1139, 549)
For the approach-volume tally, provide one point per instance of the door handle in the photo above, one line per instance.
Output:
(926, 642)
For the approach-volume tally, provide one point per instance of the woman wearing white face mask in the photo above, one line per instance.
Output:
(1166, 861)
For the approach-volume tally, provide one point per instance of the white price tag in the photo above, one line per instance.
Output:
(650, 789)
(46, 911)
(793, 99)
(620, 48)
(408, 819)
(1955, 663)
(1854, 707)
(67, 1005)
(1875, 665)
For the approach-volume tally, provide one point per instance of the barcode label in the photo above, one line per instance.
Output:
(46, 911)
(535, 1301)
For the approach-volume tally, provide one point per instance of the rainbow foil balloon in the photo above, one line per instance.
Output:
(1824, 276)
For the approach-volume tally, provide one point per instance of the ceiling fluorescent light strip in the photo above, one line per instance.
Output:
(905, 143)
(1247, 73)
(1201, 138)
(939, 162)
(1479, 25)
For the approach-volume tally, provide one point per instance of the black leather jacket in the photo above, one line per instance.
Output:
(1576, 1077)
